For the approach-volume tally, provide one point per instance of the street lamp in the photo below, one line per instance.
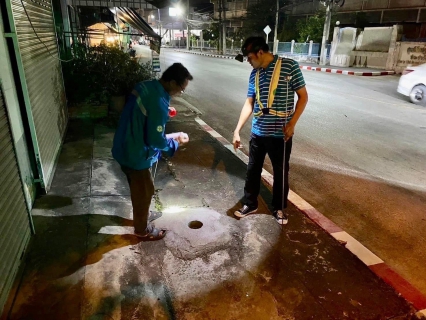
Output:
(151, 16)
(174, 12)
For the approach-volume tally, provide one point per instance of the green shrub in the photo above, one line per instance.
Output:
(97, 73)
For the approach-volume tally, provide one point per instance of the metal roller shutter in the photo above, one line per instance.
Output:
(43, 76)
(14, 221)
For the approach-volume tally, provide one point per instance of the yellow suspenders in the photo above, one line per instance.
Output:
(271, 95)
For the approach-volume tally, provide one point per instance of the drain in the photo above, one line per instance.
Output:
(195, 224)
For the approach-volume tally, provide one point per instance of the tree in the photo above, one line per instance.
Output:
(288, 31)
(313, 27)
(211, 33)
(260, 15)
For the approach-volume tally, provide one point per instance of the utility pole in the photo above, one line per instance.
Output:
(326, 32)
(159, 25)
(224, 28)
(329, 8)
(275, 49)
(220, 26)
(188, 35)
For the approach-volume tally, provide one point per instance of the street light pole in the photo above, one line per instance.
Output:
(326, 31)
(188, 35)
(159, 25)
(224, 28)
(329, 7)
(275, 49)
(220, 27)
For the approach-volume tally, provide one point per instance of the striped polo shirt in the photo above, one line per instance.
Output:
(269, 125)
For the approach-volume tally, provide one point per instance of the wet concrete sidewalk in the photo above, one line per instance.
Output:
(83, 263)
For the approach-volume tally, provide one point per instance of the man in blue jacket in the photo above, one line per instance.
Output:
(140, 138)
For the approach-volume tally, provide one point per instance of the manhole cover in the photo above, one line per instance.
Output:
(195, 224)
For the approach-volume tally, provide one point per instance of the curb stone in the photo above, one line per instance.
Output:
(320, 69)
(347, 72)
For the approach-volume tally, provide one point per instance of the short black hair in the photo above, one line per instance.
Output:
(176, 72)
(254, 44)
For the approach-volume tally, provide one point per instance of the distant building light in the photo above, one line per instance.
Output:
(173, 12)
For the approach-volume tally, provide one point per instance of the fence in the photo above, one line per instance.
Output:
(306, 51)
(301, 51)
(232, 47)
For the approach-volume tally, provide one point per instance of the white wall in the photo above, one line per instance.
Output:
(409, 54)
(376, 39)
(342, 46)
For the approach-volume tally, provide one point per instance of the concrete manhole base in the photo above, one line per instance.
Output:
(194, 232)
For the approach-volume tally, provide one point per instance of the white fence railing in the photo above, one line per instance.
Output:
(301, 51)
(307, 51)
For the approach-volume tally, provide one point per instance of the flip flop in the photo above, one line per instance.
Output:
(154, 215)
(153, 234)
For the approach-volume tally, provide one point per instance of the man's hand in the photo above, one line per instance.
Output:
(236, 141)
(182, 139)
(288, 130)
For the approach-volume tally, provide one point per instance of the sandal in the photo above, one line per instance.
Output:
(154, 215)
(153, 234)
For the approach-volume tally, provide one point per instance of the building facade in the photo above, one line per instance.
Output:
(232, 11)
(370, 13)
(365, 13)
(33, 114)
(33, 121)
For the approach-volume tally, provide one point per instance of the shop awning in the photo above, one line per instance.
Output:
(137, 4)
(131, 17)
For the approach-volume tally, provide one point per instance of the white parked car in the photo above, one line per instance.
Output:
(413, 84)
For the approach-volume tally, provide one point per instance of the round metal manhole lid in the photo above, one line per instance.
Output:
(195, 224)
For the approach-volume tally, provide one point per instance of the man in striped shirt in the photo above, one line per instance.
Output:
(270, 98)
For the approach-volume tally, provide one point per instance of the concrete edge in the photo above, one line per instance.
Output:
(328, 70)
(374, 263)
(188, 105)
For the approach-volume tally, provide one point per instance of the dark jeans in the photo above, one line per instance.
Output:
(274, 147)
(141, 192)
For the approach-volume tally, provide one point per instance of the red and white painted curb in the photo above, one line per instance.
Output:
(329, 70)
(377, 265)
(208, 54)
(347, 72)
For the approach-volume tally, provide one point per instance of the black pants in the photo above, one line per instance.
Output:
(274, 147)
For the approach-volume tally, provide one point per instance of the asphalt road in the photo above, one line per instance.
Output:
(359, 153)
